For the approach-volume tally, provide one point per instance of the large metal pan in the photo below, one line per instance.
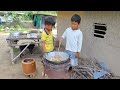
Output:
(63, 55)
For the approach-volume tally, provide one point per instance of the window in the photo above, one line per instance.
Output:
(99, 30)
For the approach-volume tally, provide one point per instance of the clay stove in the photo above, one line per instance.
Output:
(56, 71)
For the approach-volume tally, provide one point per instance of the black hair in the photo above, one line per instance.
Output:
(49, 21)
(76, 18)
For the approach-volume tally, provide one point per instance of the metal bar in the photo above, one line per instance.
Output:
(21, 52)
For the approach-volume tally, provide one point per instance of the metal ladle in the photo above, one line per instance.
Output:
(59, 49)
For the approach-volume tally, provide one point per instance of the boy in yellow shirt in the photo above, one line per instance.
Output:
(47, 36)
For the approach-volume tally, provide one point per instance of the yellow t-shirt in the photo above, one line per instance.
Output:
(48, 41)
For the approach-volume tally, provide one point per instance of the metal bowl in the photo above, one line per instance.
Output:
(63, 55)
(15, 34)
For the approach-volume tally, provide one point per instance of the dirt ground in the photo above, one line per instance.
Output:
(14, 71)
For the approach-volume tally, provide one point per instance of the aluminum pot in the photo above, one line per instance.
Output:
(63, 55)
(15, 34)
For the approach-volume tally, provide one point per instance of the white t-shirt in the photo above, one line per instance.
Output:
(73, 39)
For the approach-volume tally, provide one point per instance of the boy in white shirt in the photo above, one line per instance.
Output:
(74, 38)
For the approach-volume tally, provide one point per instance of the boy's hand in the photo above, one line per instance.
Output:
(60, 41)
(77, 54)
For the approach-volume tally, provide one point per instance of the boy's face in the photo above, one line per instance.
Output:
(48, 27)
(74, 25)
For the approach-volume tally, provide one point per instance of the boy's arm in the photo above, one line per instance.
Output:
(60, 41)
(80, 39)
(63, 37)
(43, 47)
(43, 38)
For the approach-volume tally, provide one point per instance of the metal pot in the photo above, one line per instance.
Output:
(15, 34)
(63, 55)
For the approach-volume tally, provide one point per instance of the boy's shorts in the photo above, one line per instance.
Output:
(73, 59)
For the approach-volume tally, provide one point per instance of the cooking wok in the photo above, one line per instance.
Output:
(63, 55)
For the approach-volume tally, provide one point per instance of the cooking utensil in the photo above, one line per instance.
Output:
(63, 55)
(16, 33)
(59, 49)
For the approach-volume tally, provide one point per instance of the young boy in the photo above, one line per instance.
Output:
(47, 37)
(73, 37)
